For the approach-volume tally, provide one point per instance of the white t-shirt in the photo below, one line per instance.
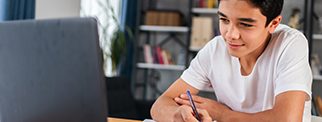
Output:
(283, 66)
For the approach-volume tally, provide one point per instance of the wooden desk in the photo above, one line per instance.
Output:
(110, 119)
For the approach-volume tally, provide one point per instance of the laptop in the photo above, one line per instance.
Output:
(51, 71)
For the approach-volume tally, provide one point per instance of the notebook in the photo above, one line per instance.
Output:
(51, 71)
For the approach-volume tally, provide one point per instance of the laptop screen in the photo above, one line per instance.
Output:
(51, 71)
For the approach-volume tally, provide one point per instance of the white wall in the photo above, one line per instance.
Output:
(46, 9)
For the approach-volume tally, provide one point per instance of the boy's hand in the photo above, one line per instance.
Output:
(216, 110)
(185, 114)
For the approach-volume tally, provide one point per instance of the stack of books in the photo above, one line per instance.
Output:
(157, 55)
(207, 3)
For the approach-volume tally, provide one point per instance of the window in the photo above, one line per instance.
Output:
(106, 25)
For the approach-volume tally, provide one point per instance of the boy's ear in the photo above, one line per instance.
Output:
(274, 23)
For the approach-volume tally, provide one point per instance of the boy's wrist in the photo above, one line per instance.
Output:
(226, 116)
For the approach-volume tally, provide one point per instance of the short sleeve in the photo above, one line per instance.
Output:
(196, 74)
(293, 70)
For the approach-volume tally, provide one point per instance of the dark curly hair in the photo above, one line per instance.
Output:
(269, 8)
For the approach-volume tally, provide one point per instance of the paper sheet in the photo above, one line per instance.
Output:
(149, 120)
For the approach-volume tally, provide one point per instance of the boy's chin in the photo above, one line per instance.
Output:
(234, 54)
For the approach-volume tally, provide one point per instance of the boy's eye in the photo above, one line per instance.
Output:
(223, 19)
(246, 25)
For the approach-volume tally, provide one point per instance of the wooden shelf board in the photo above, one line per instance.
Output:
(205, 10)
(161, 66)
(317, 77)
(196, 49)
(317, 36)
(164, 28)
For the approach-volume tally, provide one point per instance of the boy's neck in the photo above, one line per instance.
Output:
(248, 62)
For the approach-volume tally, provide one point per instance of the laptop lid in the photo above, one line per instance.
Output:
(51, 71)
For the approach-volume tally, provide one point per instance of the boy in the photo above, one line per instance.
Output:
(259, 70)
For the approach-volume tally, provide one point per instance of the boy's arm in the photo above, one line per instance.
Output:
(164, 107)
(288, 107)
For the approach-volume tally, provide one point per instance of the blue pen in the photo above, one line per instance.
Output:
(193, 106)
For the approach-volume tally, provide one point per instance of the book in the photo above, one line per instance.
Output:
(181, 58)
(318, 105)
(154, 55)
(158, 50)
(211, 3)
(201, 3)
(207, 4)
(152, 18)
(215, 3)
(169, 57)
(319, 102)
(147, 54)
(313, 108)
(164, 57)
(201, 31)
(316, 64)
(163, 17)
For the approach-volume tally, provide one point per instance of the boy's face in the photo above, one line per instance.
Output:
(243, 28)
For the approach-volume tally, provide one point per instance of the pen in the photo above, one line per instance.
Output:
(193, 106)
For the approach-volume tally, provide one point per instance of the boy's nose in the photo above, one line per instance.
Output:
(232, 33)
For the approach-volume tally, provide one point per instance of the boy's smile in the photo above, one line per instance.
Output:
(235, 46)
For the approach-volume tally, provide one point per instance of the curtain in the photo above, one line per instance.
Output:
(128, 17)
(17, 9)
(98, 9)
